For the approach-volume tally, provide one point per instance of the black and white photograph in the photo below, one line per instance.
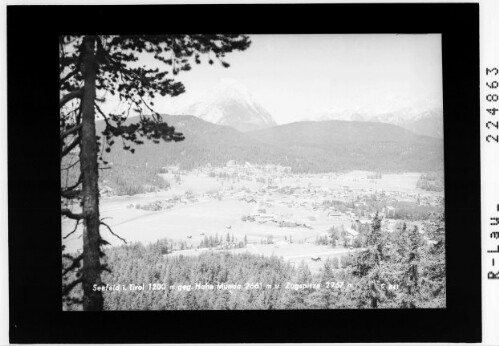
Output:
(252, 172)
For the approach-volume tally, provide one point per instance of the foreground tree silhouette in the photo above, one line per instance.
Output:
(92, 69)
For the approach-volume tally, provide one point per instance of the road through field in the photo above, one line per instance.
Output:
(330, 253)
(327, 253)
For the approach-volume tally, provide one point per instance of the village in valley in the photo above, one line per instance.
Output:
(269, 210)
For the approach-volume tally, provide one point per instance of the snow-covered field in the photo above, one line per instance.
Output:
(357, 180)
(207, 218)
(191, 221)
(294, 253)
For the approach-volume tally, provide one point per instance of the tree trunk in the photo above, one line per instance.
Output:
(92, 300)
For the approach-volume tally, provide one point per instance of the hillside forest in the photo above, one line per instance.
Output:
(397, 270)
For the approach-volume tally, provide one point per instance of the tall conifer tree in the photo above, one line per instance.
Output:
(92, 68)
(368, 267)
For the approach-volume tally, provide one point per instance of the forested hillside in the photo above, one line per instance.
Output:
(402, 269)
(356, 145)
(309, 147)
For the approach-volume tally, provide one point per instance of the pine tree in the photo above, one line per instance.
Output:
(410, 280)
(92, 67)
(367, 267)
(433, 286)
(334, 235)
(401, 242)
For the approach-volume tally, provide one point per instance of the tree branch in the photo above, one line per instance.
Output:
(68, 76)
(70, 194)
(69, 214)
(70, 131)
(69, 287)
(74, 265)
(71, 165)
(103, 115)
(70, 147)
(76, 226)
(72, 187)
(69, 96)
(152, 110)
(109, 228)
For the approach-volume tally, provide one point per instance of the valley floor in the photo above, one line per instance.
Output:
(275, 213)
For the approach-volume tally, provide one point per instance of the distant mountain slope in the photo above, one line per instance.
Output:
(321, 146)
(428, 123)
(341, 145)
(423, 122)
(230, 103)
(205, 143)
(309, 147)
(323, 134)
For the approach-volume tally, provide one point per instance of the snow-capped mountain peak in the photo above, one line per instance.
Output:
(230, 103)
(426, 121)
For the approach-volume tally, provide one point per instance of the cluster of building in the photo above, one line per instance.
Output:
(279, 220)
(275, 186)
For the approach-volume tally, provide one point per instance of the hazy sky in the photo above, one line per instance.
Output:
(298, 76)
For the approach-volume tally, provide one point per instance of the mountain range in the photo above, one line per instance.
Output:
(228, 124)
(304, 146)
(425, 122)
(230, 103)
